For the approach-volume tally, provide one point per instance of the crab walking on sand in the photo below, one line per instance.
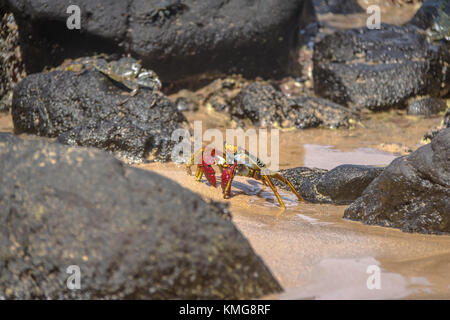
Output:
(242, 164)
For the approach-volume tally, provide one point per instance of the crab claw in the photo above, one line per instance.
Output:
(226, 176)
(209, 172)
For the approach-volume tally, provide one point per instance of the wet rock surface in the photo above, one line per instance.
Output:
(341, 185)
(88, 109)
(412, 193)
(427, 107)
(177, 39)
(265, 106)
(377, 69)
(134, 234)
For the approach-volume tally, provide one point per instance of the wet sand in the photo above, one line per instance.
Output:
(314, 253)
(390, 13)
(311, 250)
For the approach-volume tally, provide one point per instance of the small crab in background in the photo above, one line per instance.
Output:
(130, 73)
(243, 164)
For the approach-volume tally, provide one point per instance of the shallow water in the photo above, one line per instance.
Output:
(314, 253)
(390, 13)
(311, 250)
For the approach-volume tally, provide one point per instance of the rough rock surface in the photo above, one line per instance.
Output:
(12, 69)
(133, 233)
(174, 38)
(377, 69)
(341, 185)
(433, 132)
(428, 12)
(427, 107)
(337, 6)
(265, 106)
(187, 101)
(87, 110)
(412, 193)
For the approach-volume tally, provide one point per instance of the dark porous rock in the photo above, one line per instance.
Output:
(220, 93)
(345, 183)
(265, 106)
(187, 101)
(377, 69)
(89, 109)
(177, 39)
(331, 115)
(427, 107)
(261, 103)
(126, 141)
(337, 6)
(12, 69)
(44, 33)
(429, 12)
(412, 193)
(133, 233)
(305, 181)
(341, 185)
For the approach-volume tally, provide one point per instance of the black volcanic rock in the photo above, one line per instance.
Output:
(412, 193)
(265, 106)
(177, 39)
(377, 69)
(87, 109)
(337, 6)
(429, 12)
(341, 185)
(427, 107)
(133, 233)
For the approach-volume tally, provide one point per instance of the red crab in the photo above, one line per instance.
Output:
(243, 164)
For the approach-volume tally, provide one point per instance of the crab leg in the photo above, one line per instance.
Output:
(270, 183)
(286, 181)
(199, 174)
(227, 190)
(190, 164)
